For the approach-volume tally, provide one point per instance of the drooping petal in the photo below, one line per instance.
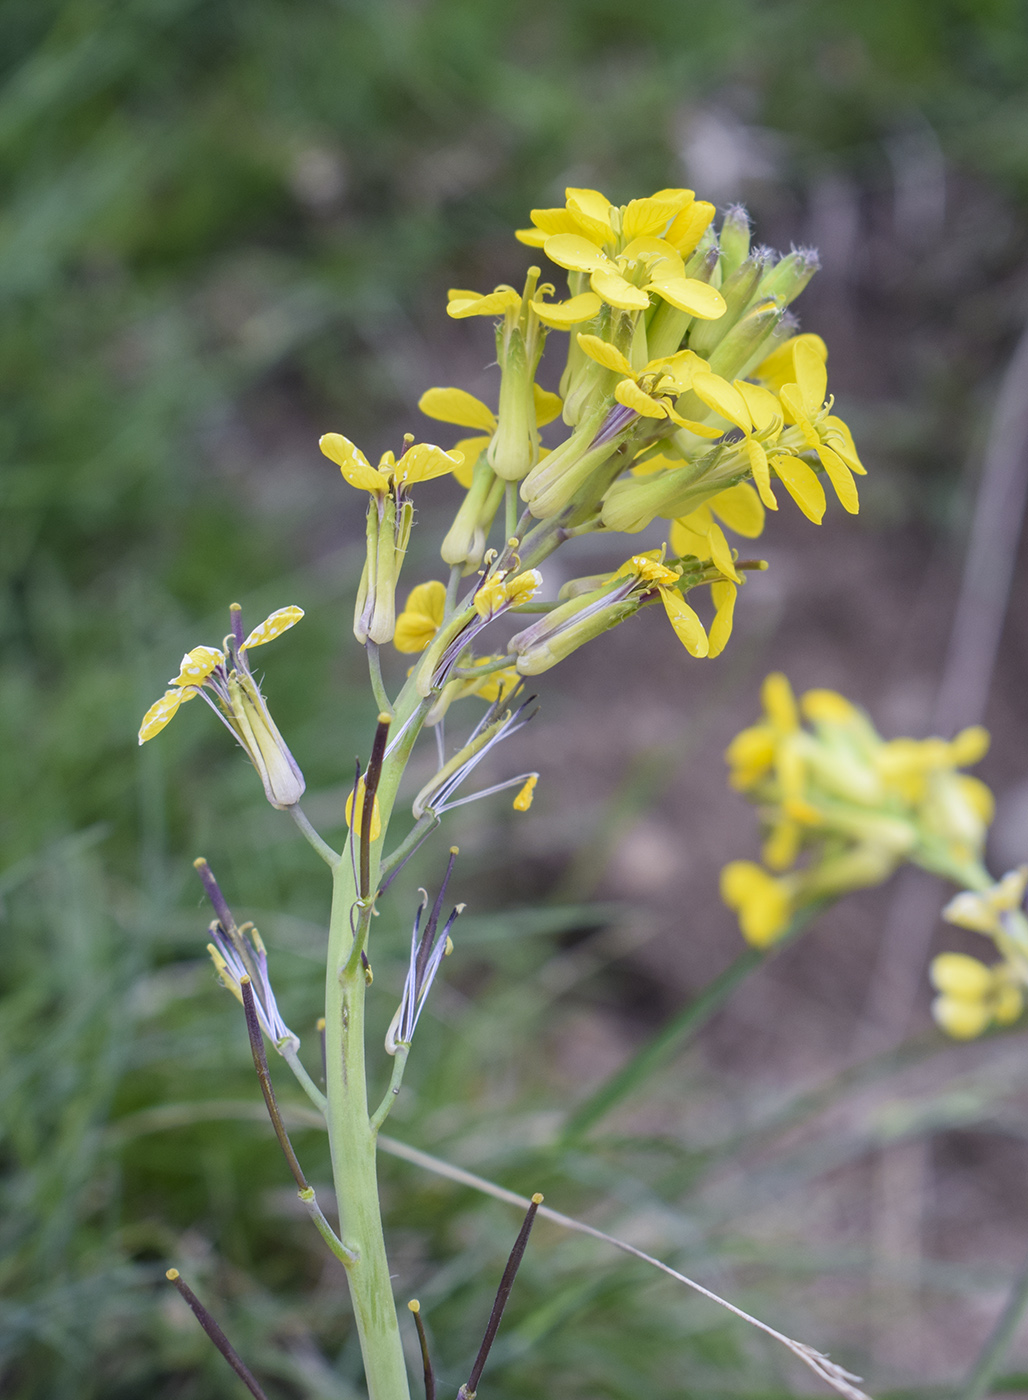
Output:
(280, 621)
(550, 221)
(421, 618)
(688, 627)
(811, 376)
(723, 398)
(690, 294)
(685, 538)
(615, 290)
(161, 712)
(724, 595)
(424, 461)
(533, 237)
(353, 464)
(197, 665)
(547, 406)
(836, 433)
(458, 406)
(841, 477)
(495, 304)
(720, 552)
(576, 253)
(563, 314)
(629, 394)
(761, 472)
(604, 354)
(741, 510)
(802, 485)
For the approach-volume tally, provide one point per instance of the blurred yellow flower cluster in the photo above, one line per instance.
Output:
(842, 807)
(972, 996)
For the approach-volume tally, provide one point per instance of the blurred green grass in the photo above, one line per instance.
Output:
(223, 225)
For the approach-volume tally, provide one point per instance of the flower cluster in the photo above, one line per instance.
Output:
(687, 395)
(842, 807)
(973, 996)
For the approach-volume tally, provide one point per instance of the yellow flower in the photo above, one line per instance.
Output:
(421, 618)
(237, 702)
(650, 391)
(763, 903)
(420, 462)
(504, 300)
(500, 592)
(688, 628)
(632, 251)
(983, 910)
(973, 997)
(804, 405)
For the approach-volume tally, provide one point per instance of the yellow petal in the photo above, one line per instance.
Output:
(963, 1020)
(429, 599)
(970, 746)
(810, 375)
(841, 477)
(534, 237)
(576, 253)
(645, 218)
(720, 553)
(547, 406)
(197, 665)
(837, 435)
(659, 256)
(688, 627)
(280, 621)
(723, 398)
(604, 353)
(458, 406)
(593, 209)
(780, 368)
(161, 712)
(550, 221)
(629, 394)
(779, 702)
(495, 304)
(828, 707)
(690, 294)
(562, 314)
(763, 407)
(741, 510)
(762, 903)
(761, 472)
(353, 464)
(423, 462)
(470, 449)
(802, 485)
(376, 818)
(689, 226)
(685, 540)
(613, 288)
(724, 595)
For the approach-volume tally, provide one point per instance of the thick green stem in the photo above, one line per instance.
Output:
(351, 1134)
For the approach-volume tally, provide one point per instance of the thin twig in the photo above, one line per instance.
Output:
(992, 1354)
(372, 778)
(216, 1335)
(839, 1379)
(313, 837)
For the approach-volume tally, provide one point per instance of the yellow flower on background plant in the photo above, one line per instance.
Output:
(972, 997)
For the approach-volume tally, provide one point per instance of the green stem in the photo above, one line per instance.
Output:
(382, 700)
(308, 1085)
(992, 1355)
(676, 1033)
(324, 1229)
(510, 510)
(452, 585)
(351, 1135)
(389, 1097)
(422, 828)
(324, 850)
